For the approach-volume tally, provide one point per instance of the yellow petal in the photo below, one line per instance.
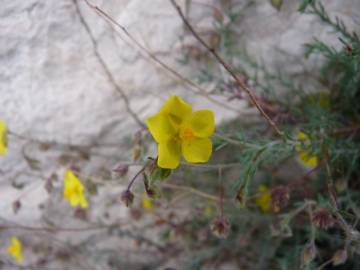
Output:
(160, 127)
(177, 109)
(3, 138)
(147, 203)
(15, 249)
(305, 156)
(302, 136)
(83, 202)
(74, 200)
(74, 190)
(202, 123)
(264, 199)
(169, 154)
(197, 150)
(307, 159)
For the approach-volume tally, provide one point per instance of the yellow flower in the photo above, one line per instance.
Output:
(322, 99)
(15, 249)
(147, 203)
(208, 210)
(180, 131)
(74, 190)
(306, 158)
(264, 198)
(3, 138)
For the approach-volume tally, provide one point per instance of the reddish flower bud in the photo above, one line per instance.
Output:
(241, 197)
(220, 227)
(279, 198)
(16, 205)
(127, 197)
(322, 219)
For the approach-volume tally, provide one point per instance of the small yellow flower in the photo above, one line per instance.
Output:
(15, 249)
(3, 138)
(180, 131)
(264, 199)
(322, 99)
(306, 158)
(209, 210)
(147, 203)
(74, 190)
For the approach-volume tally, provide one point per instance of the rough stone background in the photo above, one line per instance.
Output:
(55, 89)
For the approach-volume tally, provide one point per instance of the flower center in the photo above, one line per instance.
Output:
(186, 134)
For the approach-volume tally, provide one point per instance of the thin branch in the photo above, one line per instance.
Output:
(191, 190)
(201, 91)
(58, 229)
(106, 68)
(228, 69)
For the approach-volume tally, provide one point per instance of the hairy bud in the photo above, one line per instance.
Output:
(340, 257)
(220, 227)
(279, 198)
(308, 254)
(322, 219)
(127, 197)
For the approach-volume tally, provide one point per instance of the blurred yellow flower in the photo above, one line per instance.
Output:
(305, 156)
(3, 138)
(74, 190)
(147, 203)
(15, 249)
(180, 131)
(263, 201)
(209, 210)
(322, 99)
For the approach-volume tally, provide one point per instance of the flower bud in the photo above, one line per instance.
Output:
(220, 227)
(279, 198)
(241, 196)
(322, 219)
(340, 257)
(127, 197)
(16, 205)
(308, 254)
(121, 170)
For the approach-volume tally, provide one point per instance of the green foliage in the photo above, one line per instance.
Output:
(330, 118)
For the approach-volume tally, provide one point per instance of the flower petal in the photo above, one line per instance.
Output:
(3, 139)
(169, 154)
(307, 159)
(202, 123)
(161, 127)
(83, 202)
(197, 150)
(177, 109)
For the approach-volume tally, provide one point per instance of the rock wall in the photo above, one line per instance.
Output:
(70, 79)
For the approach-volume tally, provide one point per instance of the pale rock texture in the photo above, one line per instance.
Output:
(53, 87)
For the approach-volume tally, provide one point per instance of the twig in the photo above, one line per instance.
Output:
(349, 231)
(152, 56)
(354, 127)
(58, 229)
(106, 68)
(191, 190)
(228, 69)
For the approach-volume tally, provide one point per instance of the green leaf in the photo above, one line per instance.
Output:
(304, 5)
(276, 4)
(159, 174)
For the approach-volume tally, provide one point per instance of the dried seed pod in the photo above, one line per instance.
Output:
(220, 227)
(279, 198)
